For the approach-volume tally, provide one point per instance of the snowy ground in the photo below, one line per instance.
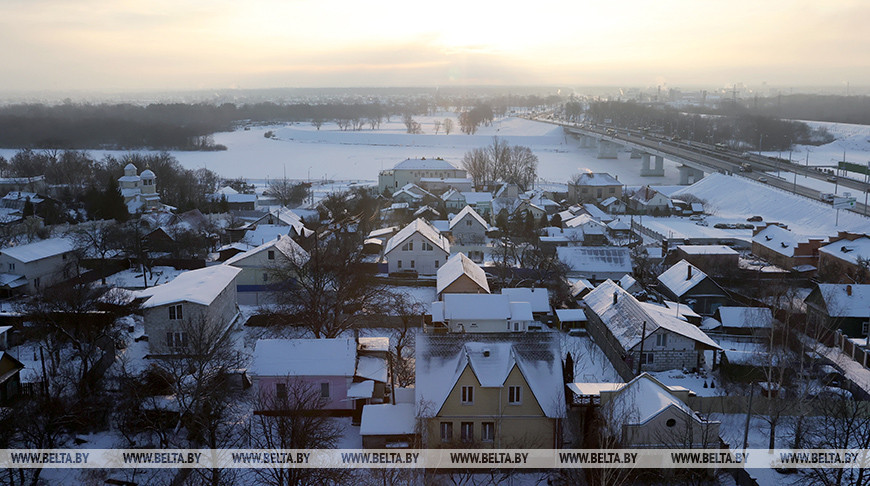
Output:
(302, 152)
(590, 363)
(693, 381)
(133, 279)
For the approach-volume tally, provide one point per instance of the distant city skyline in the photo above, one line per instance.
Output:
(94, 45)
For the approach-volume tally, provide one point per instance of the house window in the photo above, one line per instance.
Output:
(281, 391)
(11, 266)
(436, 263)
(467, 431)
(427, 246)
(412, 263)
(324, 390)
(176, 340)
(467, 222)
(613, 190)
(864, 327)
(467, 395)
(175, 313)
(516, 326)
(661, 340)
(446, 431)
(271, 254)
(36, 282)
(400, 263)
(647, 358)
(487, 431)
(515, 395)
(265, 277)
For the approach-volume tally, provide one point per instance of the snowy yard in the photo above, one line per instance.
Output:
(590, 363)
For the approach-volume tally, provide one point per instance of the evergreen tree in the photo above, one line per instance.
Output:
(112, 204)
(28, 207)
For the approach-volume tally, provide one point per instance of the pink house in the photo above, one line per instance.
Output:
(346, 373)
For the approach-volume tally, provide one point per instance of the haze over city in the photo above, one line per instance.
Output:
(91, 45)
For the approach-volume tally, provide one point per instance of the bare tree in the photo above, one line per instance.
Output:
(448, 126)
(476, 164)
(842, 424)
(412, 126)
(437, 126)
(295, 421)
(328, 293)
(287, 192)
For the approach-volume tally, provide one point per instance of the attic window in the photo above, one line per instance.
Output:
(486, 352)
(768, 237)
(671, 422)
(271, 254)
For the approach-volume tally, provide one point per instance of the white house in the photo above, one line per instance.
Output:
(460, 275)
(539, 298)
(139, 191)
(418, 247)
(34, 266)
(468, 227)
(199, 301)
(413, 170)
(481, 313)
(257, 281)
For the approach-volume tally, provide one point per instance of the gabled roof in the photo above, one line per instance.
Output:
(708, 250)
(424, 164)
(200, 286)
(418, 226)
(580, 285)
(581, 220)
(849, 250)
(642, 399)
(592, 260)
(597, 179)
(32, 252)
(677, 278)
(780, 240)
(468, 211)
(264, 233)
(457, 266)
(304, 357)
(610, 200)
(485, 307)
(283, 244)
(441, 359)
(745, 317)
(625, 317)
(597, 213)
(477, 197)
(539, 298)
(839, 302)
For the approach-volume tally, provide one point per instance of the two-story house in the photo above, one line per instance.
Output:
(490, 390)
(687, 284)
(592, 187)
(418, 247)
(413, 170)
(460, 275)
(196, 304)
(468, 227)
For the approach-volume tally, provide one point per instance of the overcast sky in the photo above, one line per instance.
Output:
(191, 44)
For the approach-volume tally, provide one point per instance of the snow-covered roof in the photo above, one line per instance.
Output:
(683, 310)
(539, 298)
(617, 225)
(283, 244)
(593, 260)
(304, 357)
(846, 300)
(388, 419)
(286, 216)
(589, 224)
(610, 200)
(570, 315)
(642, 399)
(441, 359)
(780, 240)
(374, 343)
(39, 250)
(597, 179)
(468, 211)
(381, 232)
(200, 286)
(459, 265)
(264, 233)
(477, 197)
(849, 250)
(708, 250)
(361, 389)
(678, 280)
(484, 307)
(625, 317)
(372, 368)
(424, 164)
(425, 229)
(580, 285)
(226, 191)
(627, 281)
(745, 317)
(597, 213)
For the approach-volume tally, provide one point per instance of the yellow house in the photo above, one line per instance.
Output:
(494, 390)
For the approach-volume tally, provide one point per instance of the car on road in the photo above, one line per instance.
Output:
(762, 180)
(827, 197)
(832, 178)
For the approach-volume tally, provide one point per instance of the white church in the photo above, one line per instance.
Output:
(139, 191)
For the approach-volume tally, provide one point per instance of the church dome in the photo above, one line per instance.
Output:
(147, 174)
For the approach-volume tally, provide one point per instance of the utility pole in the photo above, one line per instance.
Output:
(642, 339)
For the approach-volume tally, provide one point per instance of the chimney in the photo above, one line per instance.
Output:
(688, 272)
(615, 297)
(849, 290)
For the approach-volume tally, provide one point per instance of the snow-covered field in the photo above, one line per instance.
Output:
(304, 152)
